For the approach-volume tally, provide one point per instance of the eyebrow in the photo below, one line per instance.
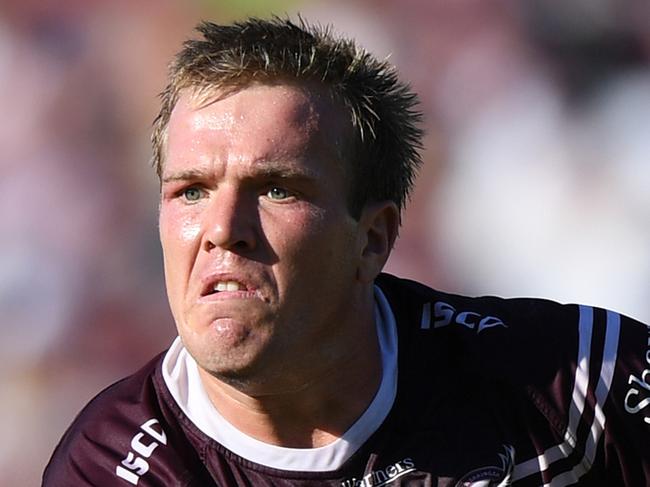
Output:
(272, 171)
(190, 174)
(286, 172)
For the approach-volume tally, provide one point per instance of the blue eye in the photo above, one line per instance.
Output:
(276, 193)
(192, 194)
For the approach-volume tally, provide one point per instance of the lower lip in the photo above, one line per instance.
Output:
(223, 295)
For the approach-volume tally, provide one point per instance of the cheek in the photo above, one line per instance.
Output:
(313, 240)
(178, 229)
(295, 233)
(190, 230)
(179, 235)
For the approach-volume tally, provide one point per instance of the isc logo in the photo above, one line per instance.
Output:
(445, 314)
(133, 467)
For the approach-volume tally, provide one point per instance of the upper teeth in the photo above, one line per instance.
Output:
(228, 286)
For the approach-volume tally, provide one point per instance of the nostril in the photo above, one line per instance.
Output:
(241, 245)
(237, 246)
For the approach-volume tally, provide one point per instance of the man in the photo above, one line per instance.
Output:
(285, 157)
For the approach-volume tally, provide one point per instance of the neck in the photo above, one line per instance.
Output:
(330, 398)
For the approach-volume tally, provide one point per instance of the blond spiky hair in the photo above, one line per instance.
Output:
(382, 111)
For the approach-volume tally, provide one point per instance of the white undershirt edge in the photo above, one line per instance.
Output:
(181, 375)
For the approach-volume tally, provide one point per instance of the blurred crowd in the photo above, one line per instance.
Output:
(536, 177)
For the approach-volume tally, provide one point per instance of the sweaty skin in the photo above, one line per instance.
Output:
(253, 204)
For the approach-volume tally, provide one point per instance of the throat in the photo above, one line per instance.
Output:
(310, 417)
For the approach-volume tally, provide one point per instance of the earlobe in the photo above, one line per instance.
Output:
(379, 226)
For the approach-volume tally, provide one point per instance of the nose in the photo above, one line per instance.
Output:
(230, 222)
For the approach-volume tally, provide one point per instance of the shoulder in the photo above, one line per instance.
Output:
(429, 312)
(530, 332)
(585, 369)
(119, 436)
(536, 344)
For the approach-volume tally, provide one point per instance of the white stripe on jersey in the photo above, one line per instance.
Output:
(542, 462)
(602, 390)
(578, 397)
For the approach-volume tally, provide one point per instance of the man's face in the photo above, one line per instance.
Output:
(260, 251)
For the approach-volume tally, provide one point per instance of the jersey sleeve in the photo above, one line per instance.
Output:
(598, 397)
(622, 394)
(575, 380)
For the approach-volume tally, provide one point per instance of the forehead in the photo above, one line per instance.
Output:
(258, 121)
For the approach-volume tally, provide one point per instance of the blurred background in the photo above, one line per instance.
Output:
(536, 177)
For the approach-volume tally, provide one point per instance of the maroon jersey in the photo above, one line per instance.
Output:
(490, 392)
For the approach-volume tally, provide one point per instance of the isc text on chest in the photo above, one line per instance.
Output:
(143, 444)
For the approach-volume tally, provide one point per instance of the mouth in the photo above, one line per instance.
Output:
(218, 286)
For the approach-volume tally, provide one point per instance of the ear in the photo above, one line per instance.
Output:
(379, 225)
